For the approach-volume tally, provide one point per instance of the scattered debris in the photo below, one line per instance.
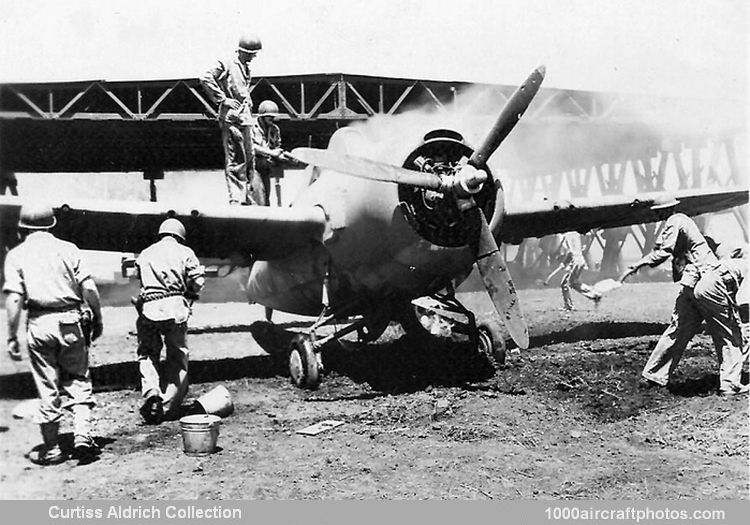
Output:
(482, 492)
(322, 426)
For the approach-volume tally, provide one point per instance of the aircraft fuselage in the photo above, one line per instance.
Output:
(370, 250)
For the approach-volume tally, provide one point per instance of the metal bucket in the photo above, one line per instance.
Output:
(217, 402)
(199, 434)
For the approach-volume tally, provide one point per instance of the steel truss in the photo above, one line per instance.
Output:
(157, 125)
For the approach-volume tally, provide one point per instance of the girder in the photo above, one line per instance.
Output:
(598, 146)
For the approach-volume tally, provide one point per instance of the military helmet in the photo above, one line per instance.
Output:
(172, 227)
(249, 43)
(36, 216)
(268, 108)
(664, 201)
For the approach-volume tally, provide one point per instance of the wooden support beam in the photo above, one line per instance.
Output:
(401, 98)
(361, 99)
(695, 156)
(152, 110)
(209, 108)
(39, 111)
(72, 101)
(117, 101)
(321, 100)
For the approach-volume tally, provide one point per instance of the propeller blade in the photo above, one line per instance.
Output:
(499, 285)
(509, 117)
(366, 168)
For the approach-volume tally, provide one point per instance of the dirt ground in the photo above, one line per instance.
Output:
(424, 418)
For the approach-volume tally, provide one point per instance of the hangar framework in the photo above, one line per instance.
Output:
(592, 142)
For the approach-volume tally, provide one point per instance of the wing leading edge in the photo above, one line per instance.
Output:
(530, 219)
(213, 232)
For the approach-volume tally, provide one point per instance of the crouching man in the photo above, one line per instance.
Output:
(171, 278)
(47, 277)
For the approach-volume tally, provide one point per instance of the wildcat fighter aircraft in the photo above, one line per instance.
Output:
(366, 238)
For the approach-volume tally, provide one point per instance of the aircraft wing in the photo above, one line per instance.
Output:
(530, 219)
(221, 232)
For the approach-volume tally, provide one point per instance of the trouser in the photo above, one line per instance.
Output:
(60, 365)
(173, 387)
(572, 279)
(708, 301)
(718, 310)
(262, 191)
(239, 163)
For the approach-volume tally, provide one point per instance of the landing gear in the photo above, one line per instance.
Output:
(491, 344)
(305, 366)
(444, 309)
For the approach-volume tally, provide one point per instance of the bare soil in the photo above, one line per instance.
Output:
(424, 418)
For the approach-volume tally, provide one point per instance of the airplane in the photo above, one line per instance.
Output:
(367, 238)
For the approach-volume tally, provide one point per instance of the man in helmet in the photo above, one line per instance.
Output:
(171, 278)
(48, 278)
(706, 294)
(267, 144)
(227, 84)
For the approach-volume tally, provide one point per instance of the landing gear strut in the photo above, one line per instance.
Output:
(305, 361)
(487, 335)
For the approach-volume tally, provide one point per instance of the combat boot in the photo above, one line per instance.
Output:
(49, 453)
(152, 410)
(85, 448)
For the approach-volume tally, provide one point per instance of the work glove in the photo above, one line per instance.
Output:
(14, 349)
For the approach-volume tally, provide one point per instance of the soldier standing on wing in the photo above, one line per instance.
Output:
(227, 84)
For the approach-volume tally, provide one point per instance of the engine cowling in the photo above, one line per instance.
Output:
(439, 217)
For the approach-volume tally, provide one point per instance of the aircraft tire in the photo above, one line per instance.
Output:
(491, 344)
(408, 317)
(304, 366)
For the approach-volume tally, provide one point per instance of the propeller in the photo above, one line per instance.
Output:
(367, 169)
(490, 261)
(464, 184)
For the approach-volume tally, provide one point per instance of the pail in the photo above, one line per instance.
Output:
(217, 402)
(199, 434)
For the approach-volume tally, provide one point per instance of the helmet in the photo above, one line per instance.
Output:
(249, 43)
(664, 201)
(36, 216)
(268, 108)
(172, 227)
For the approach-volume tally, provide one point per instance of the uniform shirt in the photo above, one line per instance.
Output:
(689, 250)
(571, 248)
(169, 268)
(47, 271)
(269, 138)
(230, 79)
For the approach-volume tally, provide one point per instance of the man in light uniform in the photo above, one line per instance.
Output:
(47, 277)
(706, 294)
(227, 84)
(171, 278)
(267, 144)
(574, 263)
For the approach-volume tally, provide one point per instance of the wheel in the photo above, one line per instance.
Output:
(304, 364)
(408, 316)
(491, 344)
